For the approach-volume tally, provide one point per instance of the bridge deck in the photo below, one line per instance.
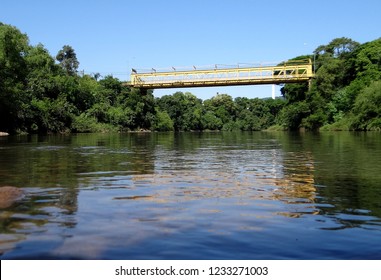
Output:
(288, 72)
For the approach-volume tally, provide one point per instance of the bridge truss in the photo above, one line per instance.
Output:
(287, 72)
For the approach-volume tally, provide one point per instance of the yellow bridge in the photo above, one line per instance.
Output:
(292, 71)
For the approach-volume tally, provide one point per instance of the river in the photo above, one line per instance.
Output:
(217, 195)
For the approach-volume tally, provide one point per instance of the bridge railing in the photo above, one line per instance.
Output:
(287, 72)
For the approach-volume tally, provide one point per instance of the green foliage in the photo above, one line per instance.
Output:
(13, 49)
(111, 90)
(294, 92)
(83, 123)
(163, 121)
(211, 122)
(336, 98)
(52, 115)
(222, 106)
(184, 109)
(368, 61)
(366, 113)
(291, 116)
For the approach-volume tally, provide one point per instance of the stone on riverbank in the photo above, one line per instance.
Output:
(9, 195)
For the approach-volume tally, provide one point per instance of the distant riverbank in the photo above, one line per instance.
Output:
(43, 94)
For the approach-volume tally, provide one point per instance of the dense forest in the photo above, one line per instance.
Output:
(40, 93)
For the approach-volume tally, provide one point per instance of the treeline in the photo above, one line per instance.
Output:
(345, 94)
(44, 94)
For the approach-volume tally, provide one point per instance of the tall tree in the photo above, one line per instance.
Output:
(68, 60)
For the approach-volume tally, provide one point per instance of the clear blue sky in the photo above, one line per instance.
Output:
(111, 36)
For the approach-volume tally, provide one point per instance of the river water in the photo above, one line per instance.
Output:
(260, 195)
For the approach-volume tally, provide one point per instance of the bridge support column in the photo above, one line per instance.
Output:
(309, 84)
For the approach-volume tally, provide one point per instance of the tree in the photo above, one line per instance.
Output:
(223, 107)
(337, 47)
(13, 49)
(255, 114)
(366, 114)
(68, 60)
(184, 109)
(42, 71)
(52, 115)
(367, 61)
(140, 106)
(163, 121)
(336, 57)
(361, 68)
(291, 116)
(211, 121)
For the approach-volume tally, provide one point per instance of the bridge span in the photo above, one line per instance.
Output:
(293, 71)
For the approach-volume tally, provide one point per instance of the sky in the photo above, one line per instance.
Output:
(113, 36)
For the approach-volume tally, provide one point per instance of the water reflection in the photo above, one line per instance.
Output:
(189, 195)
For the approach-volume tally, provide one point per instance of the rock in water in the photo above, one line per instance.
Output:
(9, 195)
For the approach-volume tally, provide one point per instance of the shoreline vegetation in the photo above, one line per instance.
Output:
(41, 93)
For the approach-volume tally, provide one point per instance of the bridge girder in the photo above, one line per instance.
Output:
(288, 72)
